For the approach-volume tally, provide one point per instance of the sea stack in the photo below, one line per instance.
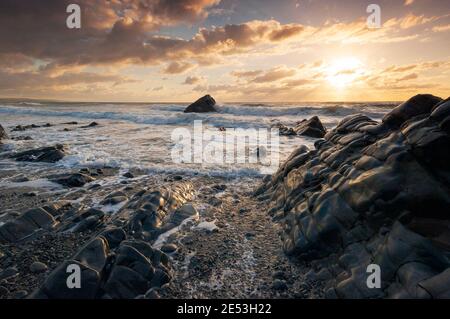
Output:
(202, 105)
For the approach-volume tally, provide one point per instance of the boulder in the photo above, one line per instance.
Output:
(417, 105)
(202, 105)
(50, 154)
(3, 134)
(372, 193)
(26, 225)
(38, 267)
(312, 127)
(74, 180)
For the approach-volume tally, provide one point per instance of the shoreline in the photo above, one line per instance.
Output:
(360, 197)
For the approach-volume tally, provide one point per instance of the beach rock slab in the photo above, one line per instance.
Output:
(50, 154)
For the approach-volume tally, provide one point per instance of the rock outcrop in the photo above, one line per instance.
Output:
(312, 127)
(3, 134)
(372, 193)
(203, 105)
(32, 222)
(111, 267)
(49, 154)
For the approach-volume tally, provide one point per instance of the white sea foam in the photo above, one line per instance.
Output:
(41, 183)
(139, 136)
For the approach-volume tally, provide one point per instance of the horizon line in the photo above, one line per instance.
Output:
(18, 99)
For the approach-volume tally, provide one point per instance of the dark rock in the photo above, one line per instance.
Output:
(92, 124)
(371, 193)
(279, 285)
(30, 194)
(152, 294)
(114, 236)
(152, 210)
(284, 130)
(3, 134)
(55, 286)
(23, 138)
(74, 180)
(3, 291)
(160, 278)
(8, 273)
(219, 187)
(26, 224)
(312, 127)
(417, 105)
(169, 248)
(128, 175)
(38, 267)
(137, 268)
(20, 294)
(202, 105)
(49, 154)
(89, 223)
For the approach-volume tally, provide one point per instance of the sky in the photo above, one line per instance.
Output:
(241, 51)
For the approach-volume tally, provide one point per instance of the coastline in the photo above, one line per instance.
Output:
(198, 236)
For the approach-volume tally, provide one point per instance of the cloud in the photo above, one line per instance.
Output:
(441, 28)
(191, 80)
(178, 67)
(408, 2)
(246, 74)
(411, 76)
(32, 80)
(274, 74)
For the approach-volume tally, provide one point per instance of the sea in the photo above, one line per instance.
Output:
(141, 135)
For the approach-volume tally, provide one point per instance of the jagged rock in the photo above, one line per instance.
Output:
(3, 134)
(417, 105)
(372, 193)
(312, 127)
(56, 287)
(202, 105)
(26, 225)
(151, 209)
(50, 154)
(114, 236)
(138, 267)
(284, 130)
(74, 180)
(90, 219)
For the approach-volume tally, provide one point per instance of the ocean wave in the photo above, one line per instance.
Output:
(228, 115)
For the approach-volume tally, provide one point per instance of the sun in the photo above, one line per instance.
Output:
(342, 72)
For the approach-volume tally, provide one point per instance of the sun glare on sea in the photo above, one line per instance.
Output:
(342, 72)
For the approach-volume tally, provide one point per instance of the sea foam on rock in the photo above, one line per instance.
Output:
(372, 193)
(49, 154)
